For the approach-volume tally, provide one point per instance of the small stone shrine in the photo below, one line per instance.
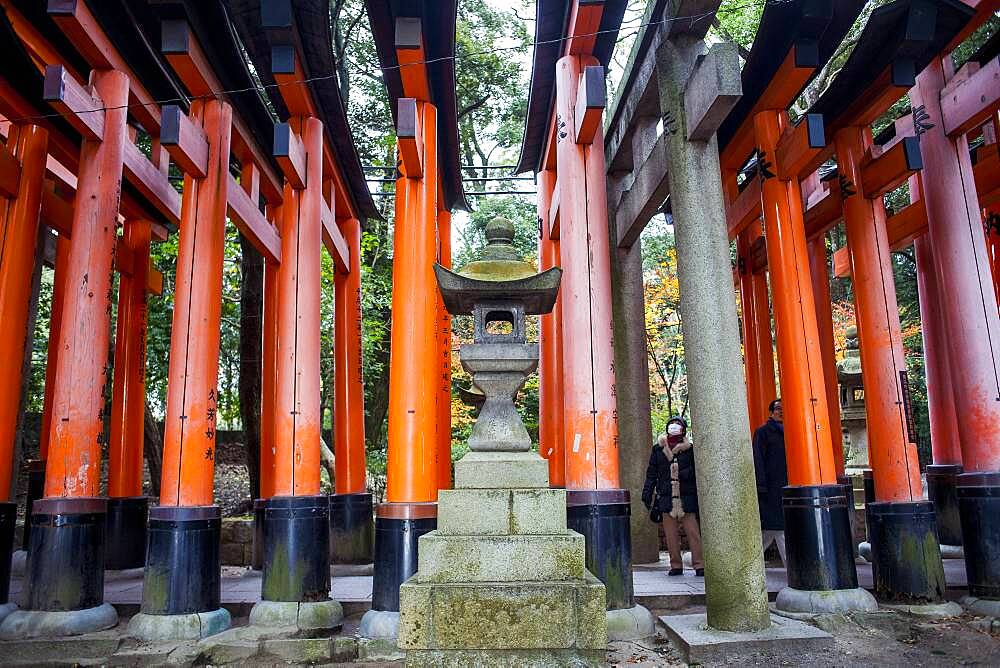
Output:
(502, 580)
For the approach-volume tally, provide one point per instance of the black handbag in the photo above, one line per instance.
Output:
(655, 514)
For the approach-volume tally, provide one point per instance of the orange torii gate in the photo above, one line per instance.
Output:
(578, 430)
(416, 46)
(181, 592)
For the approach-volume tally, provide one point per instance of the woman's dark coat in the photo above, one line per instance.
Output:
(772, 474)
(658, 478)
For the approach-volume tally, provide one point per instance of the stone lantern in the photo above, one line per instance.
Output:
(852, 402)
(502, 580)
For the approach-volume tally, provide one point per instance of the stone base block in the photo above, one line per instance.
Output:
(89, 649)
(511, 658)
(699, 643)
(989, 607)
(500, 558)
(378, 650)
(194, 626)
(798, 603)
(6, 609)
(379, 625)
(634, 623)
(929, 610)
(314, 617)
(21, 624)
(501, 470)
(256, 645)
(503, 616)
(501, 512)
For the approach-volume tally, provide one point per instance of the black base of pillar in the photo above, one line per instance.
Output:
(818, 539)
(8, 522)
(941, 482)
(257, 558)
(36, 490)
(397, 528)
(65, 569)
(296, 558)
(125, 546)
(352, 529)
(603, 516)
(183, 564)
(869, 484)
(906, 555)
(979, 508)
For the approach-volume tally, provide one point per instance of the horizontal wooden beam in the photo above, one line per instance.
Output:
(798, 146)
(252, 223)
(185, 55)
(125, 265)
(408, 40)
(582, 27)
(409, 134)
(824, 213)
(334, 241)
(290, 154)
(10, 173)
(185, 141)
(901, 229)
(291, 79)
(56, 212)
(971, 102)
(881, 174)
(745, 209)
(591, 99)
(712, 90)
(152, 183)
(80, 106)
(646, 196)
(87, 35)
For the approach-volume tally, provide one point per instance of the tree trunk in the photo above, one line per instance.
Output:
(251, 311)
(152, 450)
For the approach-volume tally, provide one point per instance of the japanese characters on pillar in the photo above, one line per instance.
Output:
(444, 360)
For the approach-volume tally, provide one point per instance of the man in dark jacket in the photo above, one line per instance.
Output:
(772, 477)
(671, 475)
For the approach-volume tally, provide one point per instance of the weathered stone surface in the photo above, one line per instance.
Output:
(304, 616)
(21, 624)
(699, 643)
(501, 470)
(503, 616)
(500, 558)
(299, 650)
(537, 658)
(635, 623)
(796, 602)
(179, 627)
(501, 512)
(38, 650)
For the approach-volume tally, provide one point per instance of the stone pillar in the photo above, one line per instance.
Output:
(972, 325)
(735, 589)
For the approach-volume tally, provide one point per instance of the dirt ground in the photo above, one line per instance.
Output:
(865, 639)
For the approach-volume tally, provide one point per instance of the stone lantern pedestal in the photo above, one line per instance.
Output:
(502, 581)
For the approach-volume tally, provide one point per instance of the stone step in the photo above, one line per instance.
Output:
(501, 470)
(501, 512)
(503, 615)
(500, 558)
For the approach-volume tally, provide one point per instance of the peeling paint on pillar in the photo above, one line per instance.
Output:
(735, 592)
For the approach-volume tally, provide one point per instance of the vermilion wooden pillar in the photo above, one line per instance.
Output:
(946, 452)
(297, 397)
(597, 507)
(550, 379)
(758, 347)
(820, 273)
(296, 556)
(351, 521)
(991, 221)
(268, 373)
(66, 547)
(182, 573)
(349, 410)
(900, 519)
(412, 465)
(817, 525)
(443, 376)
(127, 507)
(18, 235)
(972, 324)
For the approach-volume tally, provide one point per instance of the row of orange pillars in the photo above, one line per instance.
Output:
(76, 532)
(958, 270)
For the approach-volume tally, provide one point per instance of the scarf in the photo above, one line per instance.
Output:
(670, 451)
